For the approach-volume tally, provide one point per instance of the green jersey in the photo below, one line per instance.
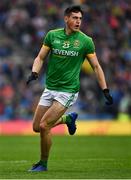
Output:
(66, 57)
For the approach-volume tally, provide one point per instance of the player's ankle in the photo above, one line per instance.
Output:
(66, 119)
(43, 163)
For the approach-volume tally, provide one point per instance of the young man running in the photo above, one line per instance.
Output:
(68, 49)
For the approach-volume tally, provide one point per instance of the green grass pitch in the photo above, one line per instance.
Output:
(72, 157)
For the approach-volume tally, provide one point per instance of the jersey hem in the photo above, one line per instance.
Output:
(62, 90)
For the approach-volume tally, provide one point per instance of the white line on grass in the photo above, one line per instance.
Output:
(100, 159)
(17, 161)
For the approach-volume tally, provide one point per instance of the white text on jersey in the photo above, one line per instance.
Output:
(65, 52)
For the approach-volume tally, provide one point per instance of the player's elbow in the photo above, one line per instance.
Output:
(97, 67)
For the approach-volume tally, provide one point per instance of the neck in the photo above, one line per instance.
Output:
(68, 31)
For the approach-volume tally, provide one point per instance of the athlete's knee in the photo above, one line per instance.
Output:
(44, 127)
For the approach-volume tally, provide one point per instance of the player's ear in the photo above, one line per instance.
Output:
(65, 19)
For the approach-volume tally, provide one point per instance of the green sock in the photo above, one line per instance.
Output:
(43, 163)
(66, 119)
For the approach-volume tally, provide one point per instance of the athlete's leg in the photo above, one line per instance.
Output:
(67, 99)
(40, 111)
(46, 123)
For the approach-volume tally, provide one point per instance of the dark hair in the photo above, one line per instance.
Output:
(71, 9)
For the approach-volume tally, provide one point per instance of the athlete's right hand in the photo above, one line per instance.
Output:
(32, 77)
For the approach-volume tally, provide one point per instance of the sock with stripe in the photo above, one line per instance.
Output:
(66, 119)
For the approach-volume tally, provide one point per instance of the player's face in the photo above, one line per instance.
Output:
(73, 21)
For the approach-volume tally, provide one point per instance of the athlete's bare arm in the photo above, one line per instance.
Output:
(38, 62)
(92, 58)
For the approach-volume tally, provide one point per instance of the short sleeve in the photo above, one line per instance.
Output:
(47, 39)
(90, 47)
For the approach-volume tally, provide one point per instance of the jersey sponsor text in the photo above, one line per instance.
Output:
(65, 52)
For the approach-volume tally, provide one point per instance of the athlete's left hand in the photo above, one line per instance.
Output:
(32, 77)
(109, 99)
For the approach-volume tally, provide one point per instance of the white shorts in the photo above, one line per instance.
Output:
(65, 98)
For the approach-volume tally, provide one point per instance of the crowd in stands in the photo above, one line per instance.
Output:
(23, 25)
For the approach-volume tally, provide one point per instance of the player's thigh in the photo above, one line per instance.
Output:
(52, 115)
(39, 113)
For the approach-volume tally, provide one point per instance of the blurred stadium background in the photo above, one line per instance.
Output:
(23, 25)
